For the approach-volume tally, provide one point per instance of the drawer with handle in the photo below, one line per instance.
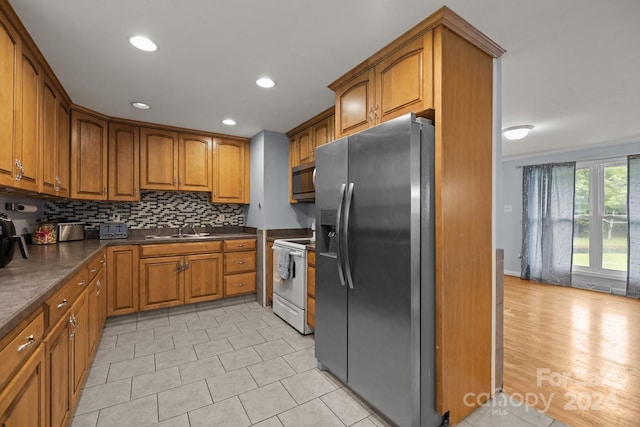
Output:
(16, 352)
(57, 305)
(95, 265)
(240, 245)
(237, 284)
(237, 262)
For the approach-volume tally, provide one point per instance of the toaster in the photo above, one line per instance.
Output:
(69, 231)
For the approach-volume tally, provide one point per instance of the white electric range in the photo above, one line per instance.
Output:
(290, 295)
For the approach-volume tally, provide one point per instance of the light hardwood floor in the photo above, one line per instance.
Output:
(577, 350)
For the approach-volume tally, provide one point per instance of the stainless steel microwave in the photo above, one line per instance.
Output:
(303, 182)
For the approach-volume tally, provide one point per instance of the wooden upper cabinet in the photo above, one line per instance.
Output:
(55, 142)
(158, 159)
(231, 171)
(9, 69)
(89, 136)
(124, 162)
(28, 144)
(354, 104)
(305, 146)
(401, 82)
(322, 133)
(194, 162)
(64, 149)
(172, 161)
(404, 80)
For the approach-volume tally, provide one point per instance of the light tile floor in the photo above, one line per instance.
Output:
(233, 365)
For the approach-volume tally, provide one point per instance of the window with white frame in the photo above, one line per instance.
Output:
(600, 218)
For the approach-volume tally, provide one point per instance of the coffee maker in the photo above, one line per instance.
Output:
(8, 241)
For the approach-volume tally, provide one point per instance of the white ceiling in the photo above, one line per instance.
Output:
(571, 67)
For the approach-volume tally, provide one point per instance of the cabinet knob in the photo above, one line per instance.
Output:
(62, 304)
(174, 181)
(375, 113)
(370, 115)
(240, 284)
(93, 270)
(105, 191)
(239, 262)
(82, 283)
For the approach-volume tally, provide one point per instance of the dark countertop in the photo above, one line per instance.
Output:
(25, 284)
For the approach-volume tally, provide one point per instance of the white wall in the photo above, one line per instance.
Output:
(270, 207)
(511, 223)
(22, 221)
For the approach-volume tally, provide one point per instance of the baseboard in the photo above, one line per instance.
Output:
(512, 273)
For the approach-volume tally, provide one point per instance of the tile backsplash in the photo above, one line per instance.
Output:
(155, 210)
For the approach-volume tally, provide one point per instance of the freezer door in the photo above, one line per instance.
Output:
(331, 293)
(383, 244)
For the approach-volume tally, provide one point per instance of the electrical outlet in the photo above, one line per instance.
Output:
(115, 217)
(508, 208)
(221, 218)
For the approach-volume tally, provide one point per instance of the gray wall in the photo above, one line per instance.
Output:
(511, 223)
(270, 207)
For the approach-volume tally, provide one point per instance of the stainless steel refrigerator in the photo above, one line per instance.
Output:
(375, 294)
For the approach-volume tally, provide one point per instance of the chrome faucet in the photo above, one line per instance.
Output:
(183, 226)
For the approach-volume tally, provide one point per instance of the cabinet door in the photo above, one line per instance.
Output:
(158, 159)
(124, 163)
(97, 310)
(50, 141)
(203, 277)
(88, 157)
(64, 144)
(195, 162)
(231, 172)
(28, 138)
(354, 104)
(161, 282)
(22, 402)
(122, 280)
(79, 345)
(322, 133)
(305, 146)
(58, 362)
(9, 68)
(404, 81)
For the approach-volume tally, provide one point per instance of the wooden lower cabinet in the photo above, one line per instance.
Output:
(203, 278)
(122, 279)
(311, 288)
(97, 300)
(79, 344)
(58, 373)
(23, 400)
(239, 284)
(161, 282)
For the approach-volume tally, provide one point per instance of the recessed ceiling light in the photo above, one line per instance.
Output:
(229, 122)
(141, 105)
(515, 133)
(265, 82)
(143, 43)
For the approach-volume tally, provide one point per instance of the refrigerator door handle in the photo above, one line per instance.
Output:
(345, 235)
(339, 236)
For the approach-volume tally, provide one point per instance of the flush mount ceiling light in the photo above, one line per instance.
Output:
(143, 43)
(140, 105)
(515, 133)
(265, 82)
(229, 122)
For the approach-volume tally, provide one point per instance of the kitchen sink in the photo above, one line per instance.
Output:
(178, 236)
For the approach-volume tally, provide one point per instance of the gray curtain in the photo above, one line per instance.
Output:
(633, 211)
(547, 222)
